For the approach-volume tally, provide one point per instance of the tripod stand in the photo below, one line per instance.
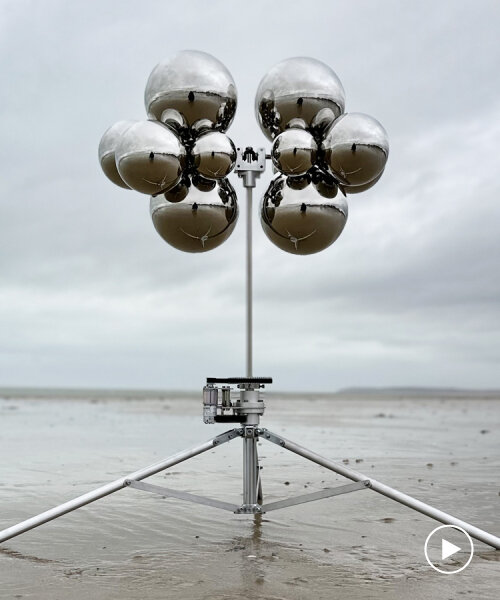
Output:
(246, 411)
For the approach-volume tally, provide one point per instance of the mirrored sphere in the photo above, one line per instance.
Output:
(324, 182)
(301, 221)
(294, 152)
(322, 122)
(214, 155)
(150, 157)
(297, 88)
(298, 183)
(356, 148)
(179, 191)
(196, 85)
(173, 119)
(202, 183)
(326, 189)
(200, 222)
(107, 147)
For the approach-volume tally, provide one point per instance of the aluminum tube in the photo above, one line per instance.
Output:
(260, 496)
(249, 282)
(102, 491)
(400, 497)
(249, 471)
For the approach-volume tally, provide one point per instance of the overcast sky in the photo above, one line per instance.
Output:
(91, 296)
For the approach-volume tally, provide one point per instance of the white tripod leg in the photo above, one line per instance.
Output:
(114, 486)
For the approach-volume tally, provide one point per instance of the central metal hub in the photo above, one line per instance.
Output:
(250, 164)
(243, 405)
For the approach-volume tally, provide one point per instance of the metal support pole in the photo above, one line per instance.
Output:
(249, 282)
(260, 495)
(250, 164)
(383, 489)
(114, 486)
(249, 470)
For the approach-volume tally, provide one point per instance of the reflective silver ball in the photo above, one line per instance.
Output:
(150, 157)
(297, 88)
(107, 148)
(356, 148)
(294, 152)
(298, 183)
(202, 183)
(179, 191)
(326, 189)
(301, 221)
(322, 122)
(174, 120)
(196, 86)
(324, 182)
(200, 222)
(214, 155)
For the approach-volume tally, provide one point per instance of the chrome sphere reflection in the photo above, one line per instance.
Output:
(301, 221)
(179, 191)
(150, 157)
(107, 148)
(189, 88)
(294, 152)
(322, 122)
(298, 88)
(356, 148)
(324, 182)
(202, 183)
(214, 155)
(198, 223)
(326, 189)
(298, 183)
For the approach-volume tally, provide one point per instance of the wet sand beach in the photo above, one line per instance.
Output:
(441, 448)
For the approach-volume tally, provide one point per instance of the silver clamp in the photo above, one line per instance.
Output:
(250, 164)
(250, 432)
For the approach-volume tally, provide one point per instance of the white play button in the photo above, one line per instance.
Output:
(447, 549)
(450, 554)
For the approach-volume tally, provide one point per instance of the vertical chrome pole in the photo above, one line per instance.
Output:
(249, 471)
(258, 482)
(249, 282)
(250, 165)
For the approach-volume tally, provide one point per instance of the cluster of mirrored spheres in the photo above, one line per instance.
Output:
(181, 155)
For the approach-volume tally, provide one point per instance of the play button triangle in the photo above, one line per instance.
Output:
(447, 549)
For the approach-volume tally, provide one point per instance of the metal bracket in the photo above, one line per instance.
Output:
(162, 491)
(226, 437)
(250, 164)
(250, 432)
(326, 493)
(249, 509)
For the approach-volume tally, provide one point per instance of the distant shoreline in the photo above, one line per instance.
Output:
(7, 393)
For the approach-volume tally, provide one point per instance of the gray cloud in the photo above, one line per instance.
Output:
(90, 295)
